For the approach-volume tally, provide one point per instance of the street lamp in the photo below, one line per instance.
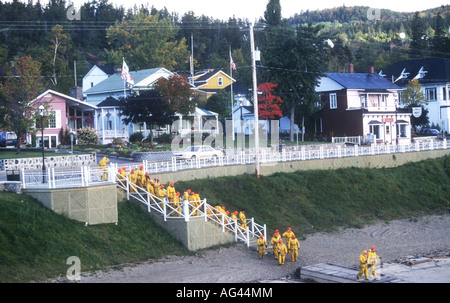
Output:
(42, 113)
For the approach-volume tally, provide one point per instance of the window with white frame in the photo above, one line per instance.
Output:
(444, 93)
(51, 122)
(220, 81)
(333, 101)
(430, 93)
(363, 100)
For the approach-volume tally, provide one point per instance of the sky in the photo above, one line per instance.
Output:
(253, 9)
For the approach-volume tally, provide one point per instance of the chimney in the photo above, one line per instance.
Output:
(371, 69)
(77, 93)
(351, 68)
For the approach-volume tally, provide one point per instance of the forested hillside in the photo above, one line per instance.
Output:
(28, 28)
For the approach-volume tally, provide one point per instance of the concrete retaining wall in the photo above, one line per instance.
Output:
(195, 234)
(375, 161)
(92, 205)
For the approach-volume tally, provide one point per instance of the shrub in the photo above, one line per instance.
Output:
(87, 136)
(136, 137)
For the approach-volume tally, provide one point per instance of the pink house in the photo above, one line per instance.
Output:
(68, 114)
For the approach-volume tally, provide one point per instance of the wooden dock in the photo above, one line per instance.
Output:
(332, 273)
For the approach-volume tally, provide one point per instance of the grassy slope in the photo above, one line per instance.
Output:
(35, 242)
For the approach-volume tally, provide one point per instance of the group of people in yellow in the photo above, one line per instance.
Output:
(280, 249)
(367, 263)
(139, 179)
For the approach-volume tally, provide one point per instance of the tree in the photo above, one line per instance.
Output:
(177, 93)
(414, 97)
(23, 83)
(413, 94)
(220, 103)
(272, 15)
(146, 41)
(295, 59)
(269, 105)
(148, 107)
(419, 39)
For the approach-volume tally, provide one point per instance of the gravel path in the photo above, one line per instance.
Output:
(394, 241)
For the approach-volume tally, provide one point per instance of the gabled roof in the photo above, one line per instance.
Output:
(115, 82)
(109, 102)
(203, 79)
(68, 98)
(430, 70)
(363, 81)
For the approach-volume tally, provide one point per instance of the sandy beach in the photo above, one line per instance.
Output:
(394, 241)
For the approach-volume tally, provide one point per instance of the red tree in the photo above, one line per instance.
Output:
(268, 104)
(177, 92)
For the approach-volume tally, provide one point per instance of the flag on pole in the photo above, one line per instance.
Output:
(126, 75)
(232, 64)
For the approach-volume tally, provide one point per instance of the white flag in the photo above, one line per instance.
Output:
(126, 75)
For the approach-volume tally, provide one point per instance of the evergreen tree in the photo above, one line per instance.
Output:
(419, 39)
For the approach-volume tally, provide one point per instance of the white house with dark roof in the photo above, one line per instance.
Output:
(434, 77)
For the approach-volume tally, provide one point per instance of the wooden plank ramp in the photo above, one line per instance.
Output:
(332, 273)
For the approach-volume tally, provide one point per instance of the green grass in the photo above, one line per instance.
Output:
(35, 242)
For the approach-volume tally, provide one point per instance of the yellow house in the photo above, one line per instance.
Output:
(212, 81)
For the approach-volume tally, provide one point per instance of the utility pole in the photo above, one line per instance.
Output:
(255, 102)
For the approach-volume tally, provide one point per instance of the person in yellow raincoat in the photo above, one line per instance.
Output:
(288, 236)
(363, 266)
(149, 186)
(193, 204)
(177, 204)
(161, 192)
(140, 176)
(119, 175)
(102, 164)
(262, 245)
(295, 246)
(124, 173)
(243, 219)
(186, 195)
(132, 180)
(371, 262)
(275, 242)
(282, 251)
(171, 192)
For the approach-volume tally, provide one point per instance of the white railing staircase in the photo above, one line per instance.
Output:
(185, 210)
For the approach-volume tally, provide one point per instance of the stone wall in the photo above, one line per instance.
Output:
(50, 162)
(12, 186)
(91, 205)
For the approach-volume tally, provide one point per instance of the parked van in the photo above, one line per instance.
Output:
(8, 139)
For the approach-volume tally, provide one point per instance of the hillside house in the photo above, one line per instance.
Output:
(67, 114)
(362, 105)
(433, 75)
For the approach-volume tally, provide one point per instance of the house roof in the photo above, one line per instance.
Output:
(202, 79)
(432, 70)
(115, 82)
(109, 102)
(69, 99)
(362, 81)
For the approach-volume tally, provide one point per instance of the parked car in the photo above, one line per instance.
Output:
(194, 152)
(8, 139)
(432, 132)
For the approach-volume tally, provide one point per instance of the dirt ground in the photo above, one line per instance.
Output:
(394, 241)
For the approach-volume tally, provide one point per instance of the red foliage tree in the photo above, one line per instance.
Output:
(269, 105)
(177, 92)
